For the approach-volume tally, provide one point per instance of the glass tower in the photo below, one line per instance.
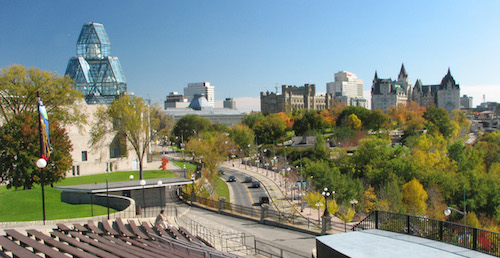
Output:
(97, 74)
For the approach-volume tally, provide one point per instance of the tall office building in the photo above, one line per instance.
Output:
(347, 88)
(97, 74)
(200, 88)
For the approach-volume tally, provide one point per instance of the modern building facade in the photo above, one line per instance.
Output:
(347, 89)
(98, 75)
(465, 102)
(175, 100)
(294, 98)
(203, 88)
(387, 92)
(229, 103)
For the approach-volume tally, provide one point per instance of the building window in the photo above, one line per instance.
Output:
(84, 155)
(77, 170)
(73, 170)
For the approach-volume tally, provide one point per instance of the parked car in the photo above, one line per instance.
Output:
(255, 184)
(263, 199)
(231, 179)
(248, 179)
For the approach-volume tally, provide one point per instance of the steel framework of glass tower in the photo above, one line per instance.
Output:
(97, 74)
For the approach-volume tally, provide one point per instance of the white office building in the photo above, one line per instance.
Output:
(347, 88)
(200, 88)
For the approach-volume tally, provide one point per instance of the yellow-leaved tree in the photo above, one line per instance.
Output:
(414, 197)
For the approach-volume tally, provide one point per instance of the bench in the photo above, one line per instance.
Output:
(109, 228)
(137, 230)
(116, 243)
(123, 229)
(82, 245)
(15, 249)
(94, 228)
(37, 246)
(80, 228)
(57, 244)
(148, 228)
(176, 233)
(190, 236)
(100, 245)
(63, 228)
(155, 248)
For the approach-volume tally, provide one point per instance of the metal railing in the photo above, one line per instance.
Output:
(448, 232)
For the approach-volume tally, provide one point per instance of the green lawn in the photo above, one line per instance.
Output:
(26, 205)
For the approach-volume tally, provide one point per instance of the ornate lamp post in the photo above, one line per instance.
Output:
(41, 164)
(326, 214)
(448, 210)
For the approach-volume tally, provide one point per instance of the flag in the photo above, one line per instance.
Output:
(44, 130)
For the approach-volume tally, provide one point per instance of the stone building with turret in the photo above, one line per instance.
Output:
(294, 98)
(387, 93)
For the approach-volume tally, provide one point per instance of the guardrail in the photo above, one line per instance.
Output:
(447, 232)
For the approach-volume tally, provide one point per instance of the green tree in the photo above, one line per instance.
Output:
(18, 91)
(414, 197)
(21, 149)
(190, 125)
(438, 120)
(309, 121)
(345, 214)
(363, 114)
(139, 123)
(252, 119)
(242, 136)
(271, 129)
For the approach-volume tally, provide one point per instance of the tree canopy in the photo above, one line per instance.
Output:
(131, 118)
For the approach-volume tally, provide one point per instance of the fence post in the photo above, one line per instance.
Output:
(474, 238)
(408, 223)
(441, 231)
(263, 210)
(221, 204)
(376, 219)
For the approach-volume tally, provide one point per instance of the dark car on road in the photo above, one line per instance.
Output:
(248, 179)
(221, 172)
(231, 179)
(255, 184)
(263, 199)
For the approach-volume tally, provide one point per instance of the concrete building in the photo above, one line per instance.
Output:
(112, 156)
(465, 102)
(229, 103)
(175, 100)
(347, 89)
(200, 106)
(387, 93)
(203, 88)
(294, 98)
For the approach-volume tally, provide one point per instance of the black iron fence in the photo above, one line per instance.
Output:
(448, 232)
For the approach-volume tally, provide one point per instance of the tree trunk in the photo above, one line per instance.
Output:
(141, 173)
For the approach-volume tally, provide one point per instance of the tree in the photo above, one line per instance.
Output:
(414, 197)
(18, 91)
(309, 121)
(272, 128)
(252, 119)
(21, 149)
(190, 125)
(19, 87)
(353, 122)
(130, 117)
(242, 136)
(363, 114)
(438, 120)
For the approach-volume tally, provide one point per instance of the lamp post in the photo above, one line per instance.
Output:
(193, 177)
(41, 164)
(448, 210)
(326, 194)
(184, 167)
(160, 183)
(143, 183)
(353, 202)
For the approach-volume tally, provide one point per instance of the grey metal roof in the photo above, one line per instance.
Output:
(125, 185)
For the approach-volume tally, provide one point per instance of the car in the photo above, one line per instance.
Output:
(231, 179)
(248, 179)
(221, 172)
(255, 184)
(263, 199)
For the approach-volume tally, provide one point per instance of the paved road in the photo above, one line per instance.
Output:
(242, 193)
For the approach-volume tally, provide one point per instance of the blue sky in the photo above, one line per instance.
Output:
(245, 47)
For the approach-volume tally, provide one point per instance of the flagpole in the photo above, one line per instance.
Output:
(41, 164)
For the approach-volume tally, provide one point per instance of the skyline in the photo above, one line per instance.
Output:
(244, 48)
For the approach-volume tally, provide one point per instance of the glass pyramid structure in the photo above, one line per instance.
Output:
(97, 74)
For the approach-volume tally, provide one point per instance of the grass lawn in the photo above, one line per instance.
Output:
(26, 205)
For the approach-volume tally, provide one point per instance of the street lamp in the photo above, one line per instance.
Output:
(41, 164)
(143, 183)
(353, 202)
(131, 177)
(326, 194)
(160, 183)
(448, 210)
(193, 177)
